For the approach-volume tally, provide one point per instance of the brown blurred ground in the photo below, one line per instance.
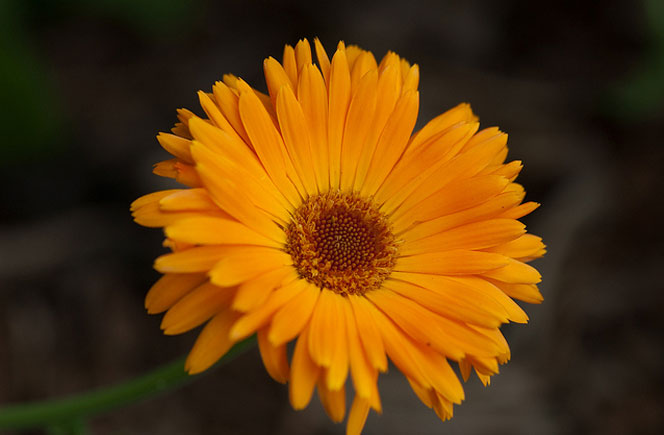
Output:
(567, 84)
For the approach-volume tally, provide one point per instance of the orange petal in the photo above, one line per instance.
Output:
(302, 54)
(524, 292)
(214, 231)
(460, 113)
(276, 77)
(451, 338)
(448, 306)
(212, 343)
(515, 272)
(169, 289)
(269, 146)
(514, 312)
(526, 246)
(152, 198)
(227, 101)
(253, 292)
(238, 184)
(478, 235)
(370, 336)
(457, 262)
(241, 263)
(357, 416)
(328, 344)
(176, 145)
(323, 60)
(421, 173)
(400, 349)
(215, 115)
(358, 125)
(339, 97)
(304, 373)
(274, 357)
(457, 292)
(334, 401)
(363, 374)
(387, 95)
(198, 259)
(188, 199)
(195, 308)
(296, 137)
(312, 95)
(289, 321)
(452, 198)
(290, 64)
(392, 142)
(487, 209)
(255, 319)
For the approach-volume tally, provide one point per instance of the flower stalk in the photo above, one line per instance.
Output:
(61, 412)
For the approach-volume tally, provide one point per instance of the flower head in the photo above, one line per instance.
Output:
(314, 214)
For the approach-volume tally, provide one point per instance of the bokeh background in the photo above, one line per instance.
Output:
(578, 85)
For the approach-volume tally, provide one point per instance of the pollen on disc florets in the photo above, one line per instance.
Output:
(341, 242)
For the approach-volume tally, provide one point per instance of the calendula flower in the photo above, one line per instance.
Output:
(314, 214)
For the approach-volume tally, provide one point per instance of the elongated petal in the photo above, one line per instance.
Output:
(370, 334)
(334, 402)
(212, 343)
(195, 308)
(289, 321)
(304, 373)
(327, 345)
(460, 293)
(448, 305)
(450, 199)
(253, 292)
(392, 142)
(312, 96)
(268, 145)
(302, 54)
(188, 199)
(363, 374)
(176, 145)
(358, 125)
(387, 95)
(276, 77)
(296, 137)
(227, 101)
(515, 272)
(215, 115)
(214, 231)
(274, 357)
(199, 259)
(225, 179)
(487, 209)
(526, 246)
(444, 335)
(339, 98)
(169, 289)
(357, 416)
(420, 174)
(245, 262)
(456, 262)
(474, 236)
(255, 319)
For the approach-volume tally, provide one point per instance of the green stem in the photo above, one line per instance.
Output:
(63, 411)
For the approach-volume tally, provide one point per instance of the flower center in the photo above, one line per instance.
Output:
(341, 242)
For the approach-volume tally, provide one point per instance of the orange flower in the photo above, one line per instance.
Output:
(312, 214)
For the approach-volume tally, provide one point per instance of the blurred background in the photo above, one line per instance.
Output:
(578, 85)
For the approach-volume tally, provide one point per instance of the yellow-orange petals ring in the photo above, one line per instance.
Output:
(314, 214)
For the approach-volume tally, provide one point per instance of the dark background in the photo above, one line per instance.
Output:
(578, 85)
